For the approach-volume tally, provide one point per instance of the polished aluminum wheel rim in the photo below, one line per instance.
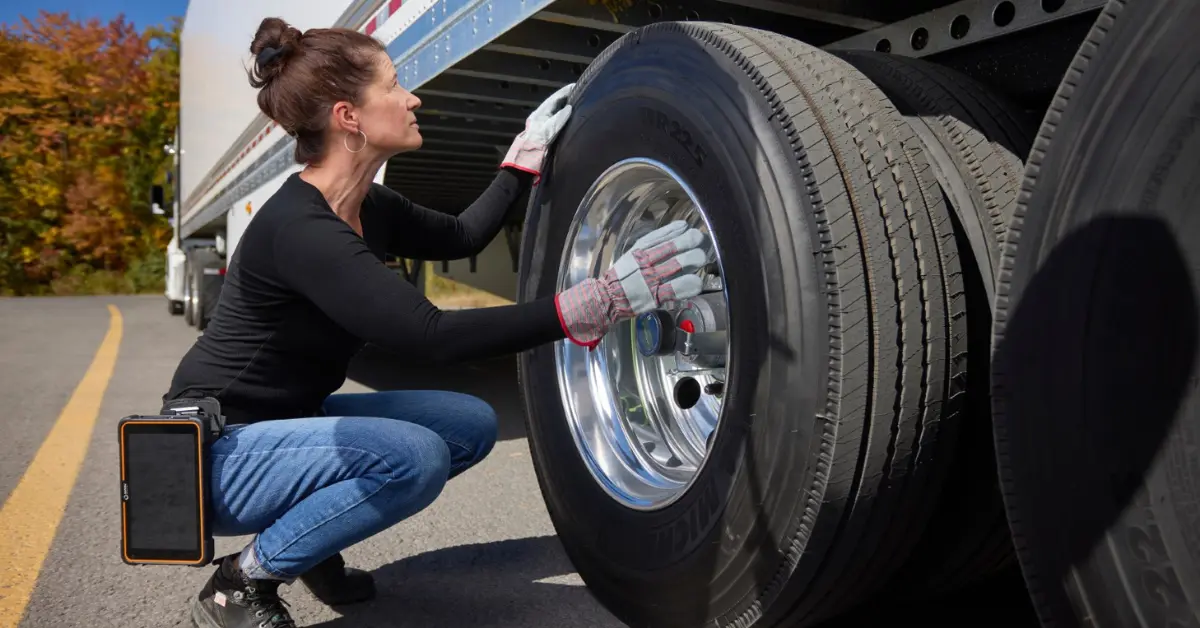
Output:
(638, 440)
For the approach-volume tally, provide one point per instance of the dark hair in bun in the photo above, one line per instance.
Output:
(300, 76)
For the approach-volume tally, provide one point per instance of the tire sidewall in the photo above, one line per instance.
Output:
(762, 462)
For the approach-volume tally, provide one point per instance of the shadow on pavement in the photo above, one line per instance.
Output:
(521, 583)
(487, 584)
(494, 381)
(999, 601)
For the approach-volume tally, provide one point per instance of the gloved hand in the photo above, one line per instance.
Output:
(528, 150)
(639, 281)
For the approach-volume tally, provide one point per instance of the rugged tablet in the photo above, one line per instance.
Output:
(164, 485)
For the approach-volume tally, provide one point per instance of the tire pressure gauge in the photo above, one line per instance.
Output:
(655, 332)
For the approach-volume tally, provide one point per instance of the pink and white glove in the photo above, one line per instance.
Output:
(528, 150)
(643, 279)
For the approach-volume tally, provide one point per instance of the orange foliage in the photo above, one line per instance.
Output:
(85, 109)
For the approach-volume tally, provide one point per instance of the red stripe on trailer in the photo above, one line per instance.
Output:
(393, 5)
(371, 27)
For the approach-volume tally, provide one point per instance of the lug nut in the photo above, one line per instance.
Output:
(714, 388)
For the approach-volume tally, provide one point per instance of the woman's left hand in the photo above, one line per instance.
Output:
(528, 151)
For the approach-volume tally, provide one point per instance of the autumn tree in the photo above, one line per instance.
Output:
(85, 109)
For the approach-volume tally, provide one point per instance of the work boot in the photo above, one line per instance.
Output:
(231, 600)
(332, 582)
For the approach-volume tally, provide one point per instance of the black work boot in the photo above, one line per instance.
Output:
(332, 582)
(231, 600)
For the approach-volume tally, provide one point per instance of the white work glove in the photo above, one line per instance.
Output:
(528, 150)
(642, 279)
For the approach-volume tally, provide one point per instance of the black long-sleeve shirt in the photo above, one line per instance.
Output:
(303, 292)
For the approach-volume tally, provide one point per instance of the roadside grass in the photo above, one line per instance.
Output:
(449, 294)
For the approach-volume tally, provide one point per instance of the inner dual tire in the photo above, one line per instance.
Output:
(847, 327)
(976, 142)
(204, 288)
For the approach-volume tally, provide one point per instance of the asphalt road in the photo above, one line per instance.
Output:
(484, 554)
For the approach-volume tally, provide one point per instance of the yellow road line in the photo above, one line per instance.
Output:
(29, 519)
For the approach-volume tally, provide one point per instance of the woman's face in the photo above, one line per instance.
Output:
(386, 114)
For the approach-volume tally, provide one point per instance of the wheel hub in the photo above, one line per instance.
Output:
(644, 405)
(695, 334)
(655, 333)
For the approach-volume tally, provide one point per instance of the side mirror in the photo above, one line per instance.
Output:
(156, 200)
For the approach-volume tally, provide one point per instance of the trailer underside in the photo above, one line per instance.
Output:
(471, 111)
(482, 77)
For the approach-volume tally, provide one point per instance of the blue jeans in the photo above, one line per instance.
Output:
(310, 487)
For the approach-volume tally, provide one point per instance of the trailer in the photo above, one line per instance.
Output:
(946, 326)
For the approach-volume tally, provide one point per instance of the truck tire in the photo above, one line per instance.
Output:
(189, 297)
(977, 143)
(1095, 406)
(206, 282)
(822, 206)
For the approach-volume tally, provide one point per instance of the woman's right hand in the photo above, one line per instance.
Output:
(660, 268)
(528, 150)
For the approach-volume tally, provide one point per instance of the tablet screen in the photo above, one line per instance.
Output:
(162, 492)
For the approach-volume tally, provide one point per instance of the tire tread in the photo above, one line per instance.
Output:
(914, 281)
(986, 138)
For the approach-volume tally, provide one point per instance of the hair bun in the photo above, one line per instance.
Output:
(273, 44)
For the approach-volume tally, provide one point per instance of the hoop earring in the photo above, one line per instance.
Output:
(346, 142)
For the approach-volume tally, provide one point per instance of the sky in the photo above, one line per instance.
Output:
(142, 13)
